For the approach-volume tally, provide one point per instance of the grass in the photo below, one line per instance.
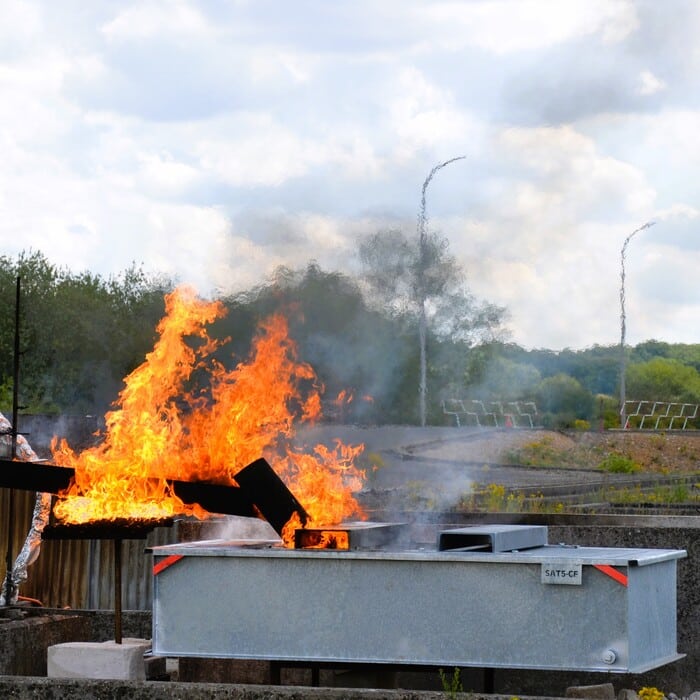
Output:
(538, 453)
(496, 498)
(659, 495)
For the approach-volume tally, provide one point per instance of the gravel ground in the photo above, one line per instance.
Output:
(659, 452)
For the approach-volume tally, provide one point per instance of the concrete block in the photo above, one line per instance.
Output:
(102, 660)
(627, 694)
(602, 691)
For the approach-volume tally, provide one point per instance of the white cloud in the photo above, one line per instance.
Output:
(506, 26)
(675, 134)
(264, 153)
(568, 179)
(154, 18)
(185, 237)
(677, 210)
(423, 115)
(290, 240)
(217, 141)
(20, 21)
(162, 175)
(649, 84)
(270, 65)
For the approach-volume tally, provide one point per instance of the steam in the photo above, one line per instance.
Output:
(233, 527)
(407, 468)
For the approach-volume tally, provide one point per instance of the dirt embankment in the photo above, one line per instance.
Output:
(664, 453)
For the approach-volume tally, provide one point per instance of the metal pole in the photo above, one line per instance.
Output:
(623, 358)
(9, 560)
(422, 293)
(15, 383)
(118, 591)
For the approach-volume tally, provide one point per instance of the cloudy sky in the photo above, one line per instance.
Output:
(213, 140)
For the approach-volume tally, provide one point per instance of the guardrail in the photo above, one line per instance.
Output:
(659, 415)
(493, 414)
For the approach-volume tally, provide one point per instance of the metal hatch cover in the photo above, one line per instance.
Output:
(493, 538)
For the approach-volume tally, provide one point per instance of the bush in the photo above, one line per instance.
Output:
(565, 398)
(619, 464)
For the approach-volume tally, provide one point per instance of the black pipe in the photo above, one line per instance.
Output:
(261, 484)
(50, 478)
(34, 476)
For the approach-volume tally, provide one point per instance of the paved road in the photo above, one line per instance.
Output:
(450, 458)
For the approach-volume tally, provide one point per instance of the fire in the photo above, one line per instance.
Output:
(183, 415)
(324, 539)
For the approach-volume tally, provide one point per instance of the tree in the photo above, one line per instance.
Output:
(80, 334)
(504, 379)
(663, 379)
(421, 285)
(354, 350)
(564, 397)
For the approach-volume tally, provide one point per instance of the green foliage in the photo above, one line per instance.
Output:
(6, 396)
(79, 334)
(663, 379)
(676, 493)
(351, 347)
(596, 369)
(537, 453)
(618, 464)
(495, 498)
(451, 684)
(608, 411)
(402, 276)
(563, 399)
(501, 377)
(82, 334)
(419, 283)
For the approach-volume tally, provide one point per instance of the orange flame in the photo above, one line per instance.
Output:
(166, 425)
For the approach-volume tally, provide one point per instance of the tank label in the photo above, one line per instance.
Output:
(567, 574)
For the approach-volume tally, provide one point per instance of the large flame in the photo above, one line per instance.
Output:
(182, 415)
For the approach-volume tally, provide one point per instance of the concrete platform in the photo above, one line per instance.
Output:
(99, 660)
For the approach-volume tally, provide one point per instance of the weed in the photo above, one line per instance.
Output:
(453, 684)
(658, 441)
(421, 495)
(535, 454)
(650, 693)
(495, 497)
(676, 493)
(688, 452)
(618, 464)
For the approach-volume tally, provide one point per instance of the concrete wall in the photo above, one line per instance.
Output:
(25, 635)
(24, 641)
(57, 689)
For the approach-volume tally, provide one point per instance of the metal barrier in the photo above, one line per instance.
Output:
(659, 415)
(493, 414)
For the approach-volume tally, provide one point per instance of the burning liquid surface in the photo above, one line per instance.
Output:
(182, 415)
